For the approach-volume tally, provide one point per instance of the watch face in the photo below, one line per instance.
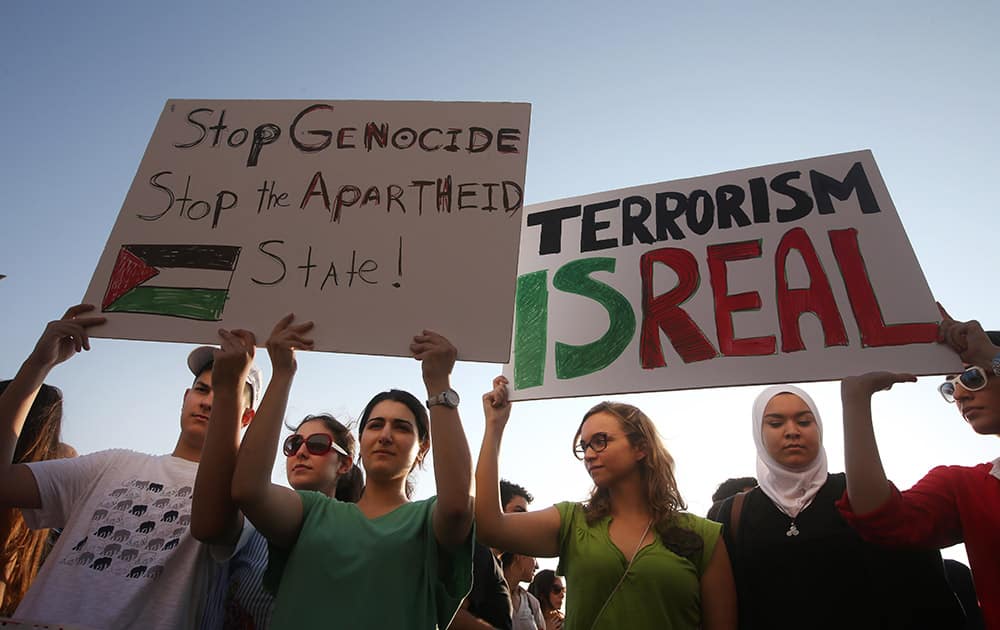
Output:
(450, 398)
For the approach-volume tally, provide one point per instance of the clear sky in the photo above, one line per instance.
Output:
(622, 94)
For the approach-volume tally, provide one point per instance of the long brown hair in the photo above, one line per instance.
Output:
(21, 549)
(657, 473)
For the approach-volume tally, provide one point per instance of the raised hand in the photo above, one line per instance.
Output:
(496, 404)
(968, 339)
(436, 355)
(64, 337)
(871, 382)
(285, 339)
(235, 356)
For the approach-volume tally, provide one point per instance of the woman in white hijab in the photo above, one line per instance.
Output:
(796, 562)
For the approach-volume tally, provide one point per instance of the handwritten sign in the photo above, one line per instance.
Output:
(784, 273)
(376, 219)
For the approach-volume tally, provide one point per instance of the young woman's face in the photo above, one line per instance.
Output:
(981, 408)
(390, 443)
(617, 459)
(557, 594)
(306, 471)
(789, 432)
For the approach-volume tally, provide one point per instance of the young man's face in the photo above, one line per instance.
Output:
(197, 406)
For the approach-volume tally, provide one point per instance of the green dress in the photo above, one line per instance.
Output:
(662, 589)
(349, 571)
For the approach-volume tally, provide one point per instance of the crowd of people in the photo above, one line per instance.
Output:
(202, 537)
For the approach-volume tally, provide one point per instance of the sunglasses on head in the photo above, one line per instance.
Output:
(972, 379)
(598, 442)
(316, 444)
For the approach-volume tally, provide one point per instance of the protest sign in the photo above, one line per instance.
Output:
(375, 219)
(784, 273)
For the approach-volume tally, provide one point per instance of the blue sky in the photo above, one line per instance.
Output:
(621, 95)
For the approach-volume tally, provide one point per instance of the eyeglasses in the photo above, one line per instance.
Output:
(316, 444)
(598, 443)
(972, 379)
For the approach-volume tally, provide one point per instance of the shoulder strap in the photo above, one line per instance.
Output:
(735, 513)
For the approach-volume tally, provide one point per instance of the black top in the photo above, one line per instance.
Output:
(826, 576)
(489, 599)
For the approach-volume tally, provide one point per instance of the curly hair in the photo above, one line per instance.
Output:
(657, 473)
(22, 549)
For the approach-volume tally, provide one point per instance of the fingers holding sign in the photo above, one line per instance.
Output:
(285, 339)
(65, 337)
(967, 339)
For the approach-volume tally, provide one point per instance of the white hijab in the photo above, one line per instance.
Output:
(790, 490)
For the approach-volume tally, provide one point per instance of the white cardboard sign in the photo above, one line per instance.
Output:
(784, 273)
(376, 219)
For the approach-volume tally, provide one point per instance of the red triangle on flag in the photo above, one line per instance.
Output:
(130, 271)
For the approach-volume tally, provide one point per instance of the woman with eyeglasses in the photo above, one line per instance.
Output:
(951, 504)
(632, 558)
(787, 532)
(548, 589)
(385, 561)
(319, 456)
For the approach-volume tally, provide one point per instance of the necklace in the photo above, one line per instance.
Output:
(792, 529)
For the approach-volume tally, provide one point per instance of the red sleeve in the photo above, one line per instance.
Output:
(926, 515)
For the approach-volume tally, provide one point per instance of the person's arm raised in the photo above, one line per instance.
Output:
(214, 516)
(453, 511)
(969, 340)
(61, 339)
(534, 533)
(867, 486)
(276, 511)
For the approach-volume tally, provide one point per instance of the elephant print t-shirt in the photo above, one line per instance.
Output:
(126, 557)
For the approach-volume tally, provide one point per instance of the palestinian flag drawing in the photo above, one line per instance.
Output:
(190, 281)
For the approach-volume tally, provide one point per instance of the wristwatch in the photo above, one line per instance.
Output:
(448, 398)
(995, 364)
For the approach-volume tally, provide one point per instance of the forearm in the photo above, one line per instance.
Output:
(867, 486)
(215, 517)
(252, 476)
(452, 468)
(488, 510)
(15, 403)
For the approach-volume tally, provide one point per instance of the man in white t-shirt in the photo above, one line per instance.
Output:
(126, 557)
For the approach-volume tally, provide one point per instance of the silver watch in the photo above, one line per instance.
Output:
(448, 398)
(995, 364)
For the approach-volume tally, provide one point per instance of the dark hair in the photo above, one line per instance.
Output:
(509, 490)
(507, 558)
(21, 548)
(247, 387)
(402, 397)
(994, 336)
(350, 485)
(732, 486)
(541, 588)
(416, 408)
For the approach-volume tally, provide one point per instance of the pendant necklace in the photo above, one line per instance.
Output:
(792, 529)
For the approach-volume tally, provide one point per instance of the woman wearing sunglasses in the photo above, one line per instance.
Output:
(632, 558)
(318, 456)
(951, 504)
(548, 589)
(385, 561)
(787, 532)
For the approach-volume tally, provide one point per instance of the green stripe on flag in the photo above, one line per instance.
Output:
(204, 304)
